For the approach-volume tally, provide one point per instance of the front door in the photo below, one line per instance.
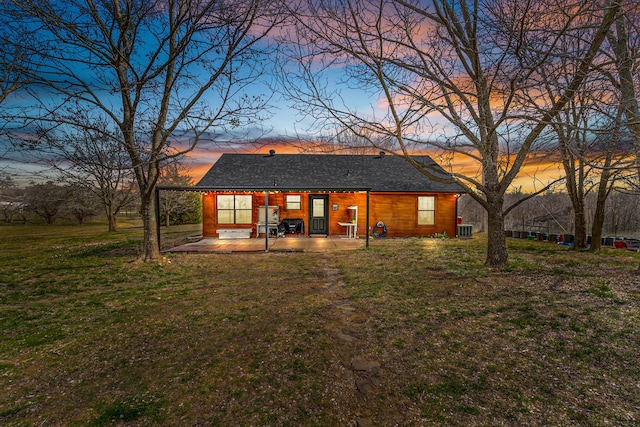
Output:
(318, 214)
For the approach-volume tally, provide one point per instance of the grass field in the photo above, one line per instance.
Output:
(409, 332)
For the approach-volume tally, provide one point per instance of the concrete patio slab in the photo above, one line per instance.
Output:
(281, 244)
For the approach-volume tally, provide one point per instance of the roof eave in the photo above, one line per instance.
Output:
(261, 189)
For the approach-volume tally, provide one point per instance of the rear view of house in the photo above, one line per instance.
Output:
(247, 195)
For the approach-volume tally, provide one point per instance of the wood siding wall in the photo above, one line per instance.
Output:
(399, 211)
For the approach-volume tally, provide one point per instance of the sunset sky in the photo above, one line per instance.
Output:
(287, 133)
(537, 173)
(283, 129)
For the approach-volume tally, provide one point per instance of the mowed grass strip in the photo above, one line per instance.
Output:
(90, 337)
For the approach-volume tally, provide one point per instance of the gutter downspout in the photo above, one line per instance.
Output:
(367, 222)
(456, 217)
(156, 202)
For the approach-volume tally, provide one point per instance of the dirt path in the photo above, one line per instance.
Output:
(358, 376)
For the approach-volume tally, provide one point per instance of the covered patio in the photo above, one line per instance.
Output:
(281, 244)
(268, 243)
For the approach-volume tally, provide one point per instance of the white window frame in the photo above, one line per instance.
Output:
(292, 204)
(236, 214)
(426, 210)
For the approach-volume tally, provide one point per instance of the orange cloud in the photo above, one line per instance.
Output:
(200, 160)
(538, 171)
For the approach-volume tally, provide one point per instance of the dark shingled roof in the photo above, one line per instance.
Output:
(322, 172)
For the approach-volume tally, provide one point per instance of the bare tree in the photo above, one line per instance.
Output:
(592, 130)
(12, 73)
(470, 211)
(81, 204)
(87, 156)
(627, 59)
(164, 72)
(612, 166)
(12, 59)
(177, 204)
(587, 147)
(465, 73)
(623, 218)
(625, 53)
(47, 200)
(11, 199)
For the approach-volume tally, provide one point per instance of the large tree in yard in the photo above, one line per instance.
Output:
(163, 73)
(625, 45)
(457, 78)
(625, 48)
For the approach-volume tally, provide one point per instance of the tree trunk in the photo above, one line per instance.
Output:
(496, 241)
(574, 169)
(150, 247)
(601, 200)
(111, 217)
(596, 228)
(627, 87)
(580, 228)
(113, 224)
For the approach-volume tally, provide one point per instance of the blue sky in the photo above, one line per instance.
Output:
(281, 124)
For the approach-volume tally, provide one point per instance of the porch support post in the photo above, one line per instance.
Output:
(455, 223)
(156, 202)
(366, 223)
(266, 221)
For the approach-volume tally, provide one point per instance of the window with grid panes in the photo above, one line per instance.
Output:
(293, 202)
(234, 209)
(426, 210)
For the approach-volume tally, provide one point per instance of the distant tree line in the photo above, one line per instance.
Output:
(49, 201)
(552, 213)
(52, 201)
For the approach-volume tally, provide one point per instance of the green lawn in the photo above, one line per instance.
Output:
(90, 336)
